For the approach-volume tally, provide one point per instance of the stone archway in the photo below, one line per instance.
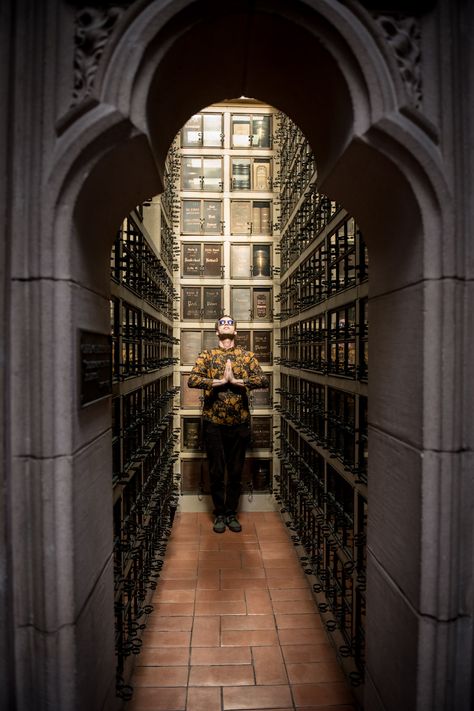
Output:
(357, 119)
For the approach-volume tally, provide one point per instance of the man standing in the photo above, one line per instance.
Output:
(226, 374)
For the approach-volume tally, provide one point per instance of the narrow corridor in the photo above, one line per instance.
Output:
(234, 626)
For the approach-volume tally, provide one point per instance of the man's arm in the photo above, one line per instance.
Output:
(199, 377)
(257, 378)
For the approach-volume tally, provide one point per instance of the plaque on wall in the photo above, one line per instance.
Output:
(241, 304)
(194, 476)
(243, 339)
(96, 366)
(190, 397)
(262, 431)
(191, 434)
(262, 398)
(212, 217)
(191, 301)
(261, 305)
(240, 217)
(190, 346)
(212, 302)
(262, 346)
(192, 217)
(261, 260)
(241, 132)
(191, 259)
(212, 260)
(261, 174)
(240, 261)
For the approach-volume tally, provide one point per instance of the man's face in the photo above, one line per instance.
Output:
(226, 327)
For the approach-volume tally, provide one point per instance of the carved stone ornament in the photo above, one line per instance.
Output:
(94, 25)
(403, 34)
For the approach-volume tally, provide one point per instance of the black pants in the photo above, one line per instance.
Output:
(225, 447)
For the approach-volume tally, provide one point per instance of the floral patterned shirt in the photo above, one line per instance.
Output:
(227, 404)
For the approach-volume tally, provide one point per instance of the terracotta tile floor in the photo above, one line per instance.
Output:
(234, 626)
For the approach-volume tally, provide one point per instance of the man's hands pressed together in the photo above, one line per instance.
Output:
(228, 377)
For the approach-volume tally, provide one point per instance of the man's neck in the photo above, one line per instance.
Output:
(226, 343)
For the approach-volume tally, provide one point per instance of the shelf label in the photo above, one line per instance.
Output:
(96, 366)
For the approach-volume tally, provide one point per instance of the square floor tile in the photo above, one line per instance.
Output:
(220, 655)
(243, 573)
(203, 699)
(269, 666)
(248, 622)
(258, 602)
(206, 632)
(249, 638)
(233, 595)
(240, 584)
(251, 559)
(222, 675)
(220, 608)
(208, 580)
(256, 697)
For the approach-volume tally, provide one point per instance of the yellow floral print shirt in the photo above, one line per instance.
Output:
(227, 404)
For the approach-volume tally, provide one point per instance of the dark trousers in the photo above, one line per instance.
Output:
(225, 447)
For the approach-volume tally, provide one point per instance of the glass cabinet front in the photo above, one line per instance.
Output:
(203, 130)
(201, 173)
(251, 174)
(251, 131)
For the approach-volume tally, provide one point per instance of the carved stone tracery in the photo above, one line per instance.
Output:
(403, 34)
(93, 29)
(95, 25)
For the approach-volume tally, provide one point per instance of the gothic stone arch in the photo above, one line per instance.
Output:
(329, 66)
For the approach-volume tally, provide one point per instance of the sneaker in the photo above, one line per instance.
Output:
(233, 524)
(219, 524)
